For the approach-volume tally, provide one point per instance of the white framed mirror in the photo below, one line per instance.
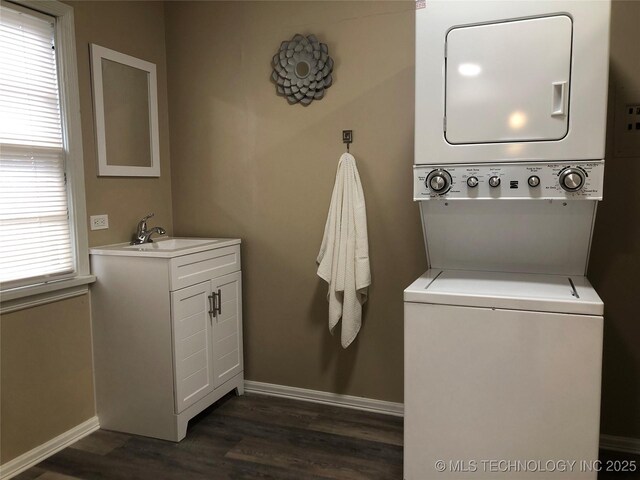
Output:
(125, 101)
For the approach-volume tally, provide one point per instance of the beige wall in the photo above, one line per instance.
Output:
(247, 164)
(137, 29)
(46, 374)
(615, 256)
(46, 382)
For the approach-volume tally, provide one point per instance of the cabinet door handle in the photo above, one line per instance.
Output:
(219, 307)
(212, 305)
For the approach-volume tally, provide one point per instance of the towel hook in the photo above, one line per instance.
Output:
(347, 137)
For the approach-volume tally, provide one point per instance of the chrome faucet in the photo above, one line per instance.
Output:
(143, 235)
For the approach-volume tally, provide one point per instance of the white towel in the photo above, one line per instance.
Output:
(343, 261)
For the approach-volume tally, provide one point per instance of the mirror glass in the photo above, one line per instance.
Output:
(126, 114)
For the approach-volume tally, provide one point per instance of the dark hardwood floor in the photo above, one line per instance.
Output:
(250, 437)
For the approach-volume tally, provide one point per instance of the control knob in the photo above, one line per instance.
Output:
(533, 181)
(439, 181)
(472, 182)
(494, 181)
(572, 179)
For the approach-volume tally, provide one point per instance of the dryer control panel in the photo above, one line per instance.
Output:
(509, 181)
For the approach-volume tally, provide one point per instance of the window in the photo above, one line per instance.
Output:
(42, 224)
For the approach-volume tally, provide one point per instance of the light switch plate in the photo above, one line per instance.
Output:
(99, 222)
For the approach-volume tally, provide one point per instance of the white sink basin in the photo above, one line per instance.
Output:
(173, 244)
(165, 247)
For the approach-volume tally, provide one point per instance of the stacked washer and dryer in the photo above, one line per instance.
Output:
(503, 332)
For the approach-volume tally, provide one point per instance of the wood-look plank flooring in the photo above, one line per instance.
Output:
(250, 437)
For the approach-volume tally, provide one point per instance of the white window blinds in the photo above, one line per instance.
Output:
(35, 233)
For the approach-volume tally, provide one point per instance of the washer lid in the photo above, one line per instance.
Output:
(514, 291)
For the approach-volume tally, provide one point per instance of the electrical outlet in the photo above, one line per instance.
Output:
(99, 222)
(632, 120)
(626, 133)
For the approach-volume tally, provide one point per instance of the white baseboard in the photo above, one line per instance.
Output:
(620, 444)
(36, 455)
(607, 442)
(327, 398)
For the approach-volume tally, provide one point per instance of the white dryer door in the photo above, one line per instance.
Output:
(508, 81)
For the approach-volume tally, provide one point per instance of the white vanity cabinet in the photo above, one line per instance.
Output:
(207, 337)
(167, 327)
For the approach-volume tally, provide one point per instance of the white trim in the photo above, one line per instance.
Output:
(607, 442)
(326, 398)
(31, 301)
(50, 7)
(8, 297)
(104, 169)
(620, 444)
(38, 454)
(72, 123)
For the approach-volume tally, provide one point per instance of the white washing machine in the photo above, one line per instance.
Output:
(503, 333)
(501, 368)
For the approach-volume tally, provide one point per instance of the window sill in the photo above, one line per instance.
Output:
(34, 295)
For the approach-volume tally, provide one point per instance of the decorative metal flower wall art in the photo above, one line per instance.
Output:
(302, 69)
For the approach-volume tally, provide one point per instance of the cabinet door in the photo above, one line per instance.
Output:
(227, 328)
(192, 330)
(508, 81)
